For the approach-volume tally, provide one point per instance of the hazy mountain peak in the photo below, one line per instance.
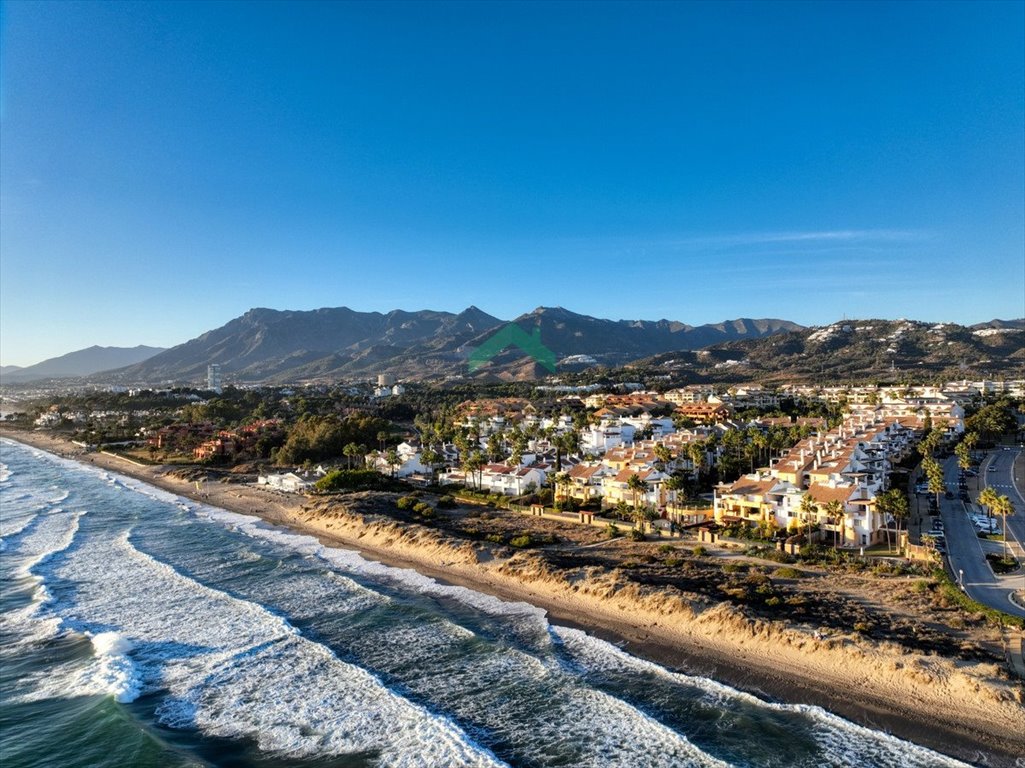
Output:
(82, 362)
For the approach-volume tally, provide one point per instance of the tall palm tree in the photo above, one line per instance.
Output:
(934, 474)
(635, 484)
(696, 454)
(808, 509)
(834, 509)
(474, 463)
(430, 458)
(964, 454)
(563, 481)
(392, 457)
(350, 451)
(989, 499)
(1004, 507)
(673, 484)
(892, 503)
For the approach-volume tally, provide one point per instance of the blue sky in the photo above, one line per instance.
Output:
(165, 167)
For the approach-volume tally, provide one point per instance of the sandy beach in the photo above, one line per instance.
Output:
(970, 711)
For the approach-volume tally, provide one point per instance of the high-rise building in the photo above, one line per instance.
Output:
(213, 378)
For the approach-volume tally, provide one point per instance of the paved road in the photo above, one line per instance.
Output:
(966, 551)
(1001, 474)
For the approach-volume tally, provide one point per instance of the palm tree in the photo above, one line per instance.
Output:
(808, 509)
(474, 463)
(673, 484)
(934, 473)
(892, 503)
(663, 455)
(350, 451)
(1004, 507)
(635, 484)
(392, 457)
(696, 454)
(989, 499)
(834, 509)
(382, 438)
(563, 481)
(964, 455)
(642, 515)
(430, 458)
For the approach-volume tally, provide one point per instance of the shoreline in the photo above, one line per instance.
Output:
(765, 662)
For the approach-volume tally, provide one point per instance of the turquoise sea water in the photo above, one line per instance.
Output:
(138, 628)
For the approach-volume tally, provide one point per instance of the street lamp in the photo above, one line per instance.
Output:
(960, 578)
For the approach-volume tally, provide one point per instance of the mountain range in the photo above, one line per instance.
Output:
(859, 350)
(332, 344)
(266, 345)
(83, 362)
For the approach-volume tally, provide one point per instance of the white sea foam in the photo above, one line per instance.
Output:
(232, 668)
(844, 742)
(5, 472)
(352, 562)
(113, 671)
(53, 533)
(11, 524)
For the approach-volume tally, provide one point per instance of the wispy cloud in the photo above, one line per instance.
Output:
(809, 237)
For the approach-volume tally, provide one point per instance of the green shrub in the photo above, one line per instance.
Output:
(773, 601)
(521, 541)
(446, 502)
(356, 480)
(612, 530)
(787, 573)
(421, 507)
(636, 534)
(732, 567)
(495, 538)
(405, 502)
(700, 551)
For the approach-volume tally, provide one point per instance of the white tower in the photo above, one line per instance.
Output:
(213, 378)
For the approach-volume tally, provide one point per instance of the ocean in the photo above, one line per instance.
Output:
(139, 628)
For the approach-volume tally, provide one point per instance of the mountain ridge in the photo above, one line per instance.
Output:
(81, 362)
(277, 346)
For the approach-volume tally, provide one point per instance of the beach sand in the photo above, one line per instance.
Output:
(964, 710)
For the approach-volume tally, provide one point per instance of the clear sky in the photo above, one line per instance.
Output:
(165, 167)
